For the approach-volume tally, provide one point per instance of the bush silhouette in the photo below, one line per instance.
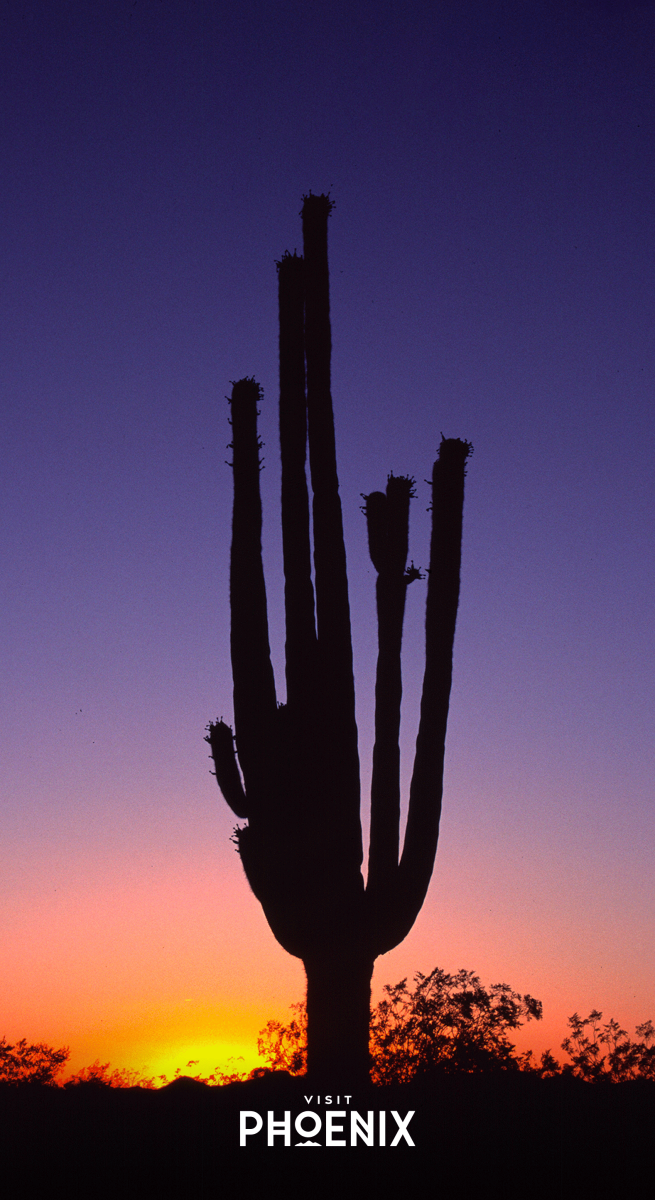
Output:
(606, 1053)
(284, 1047)
(452, 1024)
(446, 1023)
(118, 1077)
(31, 1063)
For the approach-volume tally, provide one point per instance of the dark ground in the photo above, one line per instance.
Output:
(474, 1136)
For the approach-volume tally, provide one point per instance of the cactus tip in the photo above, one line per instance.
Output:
(400, 485)
(287, 258)
(321, 202)
(455, 448)
(246, 389)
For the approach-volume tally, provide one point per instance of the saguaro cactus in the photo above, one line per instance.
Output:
(298, 783)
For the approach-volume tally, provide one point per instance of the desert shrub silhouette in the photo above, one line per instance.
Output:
(297, 779)
(452, 1024)
(601, 1053)
(35, 1062)
(445, 1023)
(116, 1077)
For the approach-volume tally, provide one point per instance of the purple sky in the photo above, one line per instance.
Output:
(491, 259)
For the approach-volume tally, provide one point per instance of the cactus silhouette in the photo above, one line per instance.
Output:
(298, 785)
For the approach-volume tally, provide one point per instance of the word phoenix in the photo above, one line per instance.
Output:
(372, 1129)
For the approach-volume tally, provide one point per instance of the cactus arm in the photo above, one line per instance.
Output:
(387, 519)
(221, 740)
(254, 685)
(333, 611)
(298, 587)
(422, 831)
(337, 767)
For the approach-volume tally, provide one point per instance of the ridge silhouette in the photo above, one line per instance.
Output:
(297, 780)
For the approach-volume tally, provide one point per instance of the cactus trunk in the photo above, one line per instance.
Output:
(338, 1017)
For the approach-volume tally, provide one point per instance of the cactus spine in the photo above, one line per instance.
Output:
(302, 847)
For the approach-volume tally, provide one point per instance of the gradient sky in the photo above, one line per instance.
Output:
(491, 258)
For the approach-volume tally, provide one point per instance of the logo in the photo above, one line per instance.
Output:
(337, 1127)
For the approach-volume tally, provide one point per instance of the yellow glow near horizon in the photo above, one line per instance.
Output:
(155, 1054)
(162, 1041)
